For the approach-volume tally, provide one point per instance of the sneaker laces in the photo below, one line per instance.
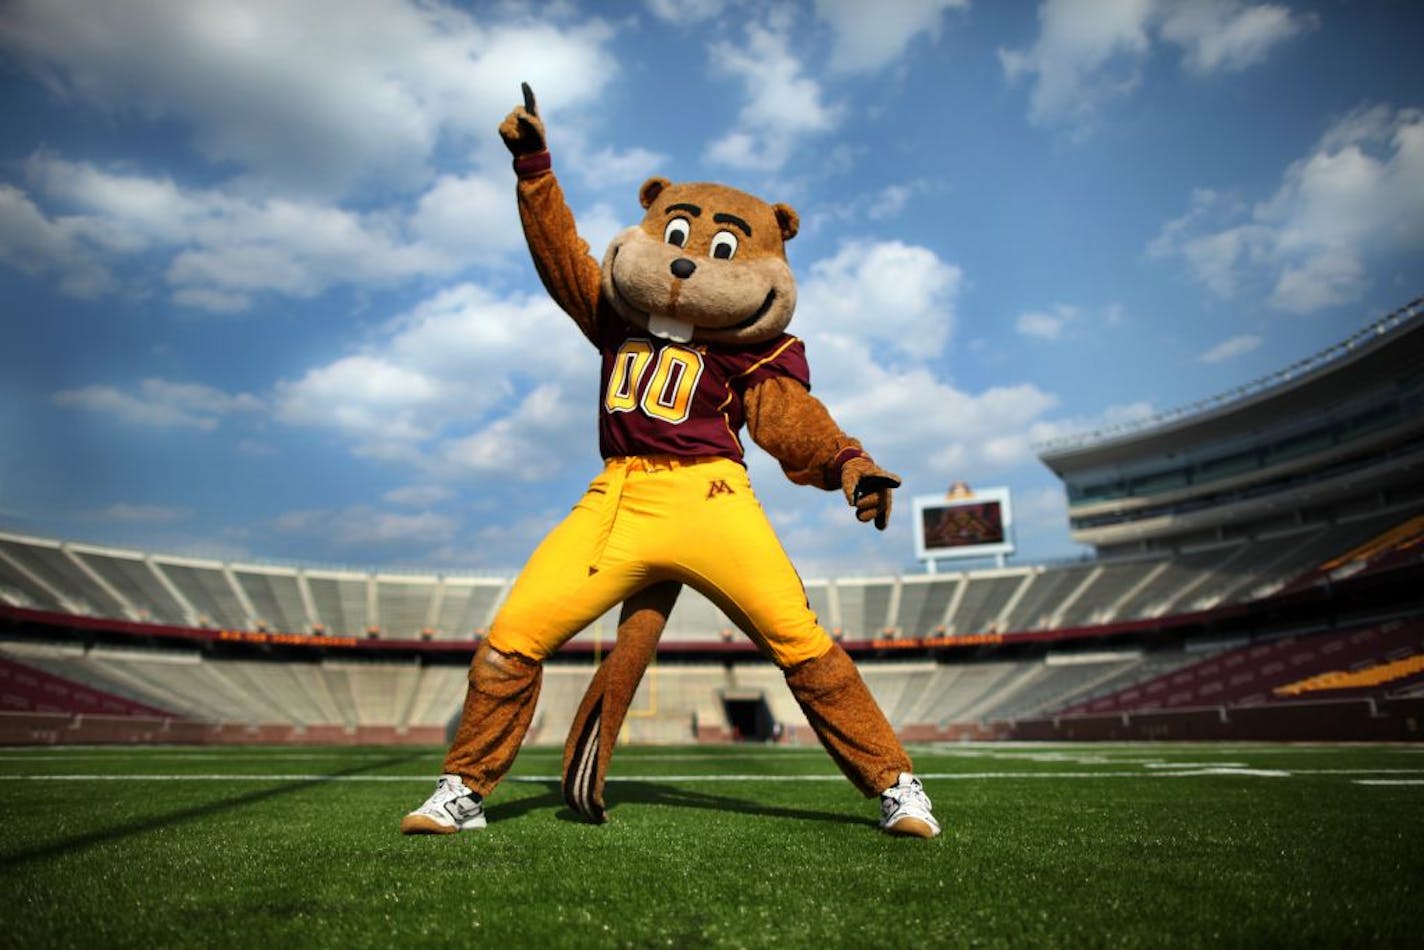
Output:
(447, 789)
(451, 783)
(907, 790)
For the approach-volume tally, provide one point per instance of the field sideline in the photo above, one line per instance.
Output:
(1061, 845)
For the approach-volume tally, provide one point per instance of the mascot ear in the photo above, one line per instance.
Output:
(651, 189)
(787, 217)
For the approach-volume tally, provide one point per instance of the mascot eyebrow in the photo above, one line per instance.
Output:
(721, 217)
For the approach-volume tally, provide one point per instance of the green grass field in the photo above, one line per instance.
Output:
(1044, 845)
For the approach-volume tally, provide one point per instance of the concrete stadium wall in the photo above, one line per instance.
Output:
(1347, 720)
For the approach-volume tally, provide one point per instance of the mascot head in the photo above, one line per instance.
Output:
(707, 264)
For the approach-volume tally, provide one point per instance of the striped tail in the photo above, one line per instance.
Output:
(583, 782)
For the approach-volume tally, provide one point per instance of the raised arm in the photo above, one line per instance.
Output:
(798, 431)
(569, 272)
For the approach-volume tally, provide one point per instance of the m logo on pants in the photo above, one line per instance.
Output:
(719, 486)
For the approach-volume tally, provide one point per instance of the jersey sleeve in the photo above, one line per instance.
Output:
(782, 358)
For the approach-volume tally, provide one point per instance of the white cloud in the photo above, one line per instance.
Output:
(783, 105)
(883, 203)
(1356, 197)
(870, 36)
(467, 330)
(1216, 258)
(223, 247)
(160, 403)
(1046, 325)
(1087, 52)
(908, 416)
(239, 269)
(531, 443)
(1325, 279)
(1231, 348)
(1226, 35)
(891, 200)
(319, 95)
(900, 295)
(438, 370)
(609, 167)
(1364, 178)
(686, 12)
(467, 219)
(1090, 52)
(40, 246)
(1210, 240)
(122, 212)
(367, 397)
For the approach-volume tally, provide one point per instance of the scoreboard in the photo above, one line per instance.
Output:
(964, 524)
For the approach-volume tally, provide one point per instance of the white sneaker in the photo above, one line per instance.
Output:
(451, 807)
(905, 809)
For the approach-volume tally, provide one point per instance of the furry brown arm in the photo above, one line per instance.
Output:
(798, 431)
(570, 274)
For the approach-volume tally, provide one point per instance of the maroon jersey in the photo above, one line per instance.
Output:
(682, 399)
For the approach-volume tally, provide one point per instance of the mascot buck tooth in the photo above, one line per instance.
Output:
(688, 312)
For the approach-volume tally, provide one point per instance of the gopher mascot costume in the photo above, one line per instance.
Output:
(688, 312)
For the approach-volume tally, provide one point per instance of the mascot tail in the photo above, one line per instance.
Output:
(589, 747)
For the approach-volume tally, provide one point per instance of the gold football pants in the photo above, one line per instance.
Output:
(650, 519)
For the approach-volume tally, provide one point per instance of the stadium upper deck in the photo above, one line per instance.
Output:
(1337, 435)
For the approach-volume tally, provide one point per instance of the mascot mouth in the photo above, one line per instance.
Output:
(760, 312)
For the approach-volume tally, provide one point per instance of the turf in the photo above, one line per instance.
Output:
(1121, 845)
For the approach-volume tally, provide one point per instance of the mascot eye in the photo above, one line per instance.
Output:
(677, 231)
(724, 245)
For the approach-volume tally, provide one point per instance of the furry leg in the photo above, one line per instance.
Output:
(848, 721)
(499, 706)
(594, 732)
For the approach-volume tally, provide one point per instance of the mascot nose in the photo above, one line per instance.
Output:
(682, 267)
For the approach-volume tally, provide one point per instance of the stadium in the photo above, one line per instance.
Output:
(284, 406)
(1246, 645)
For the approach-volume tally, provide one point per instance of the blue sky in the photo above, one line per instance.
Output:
(266, 294)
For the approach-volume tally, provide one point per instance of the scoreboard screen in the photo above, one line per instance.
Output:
(976, 525)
